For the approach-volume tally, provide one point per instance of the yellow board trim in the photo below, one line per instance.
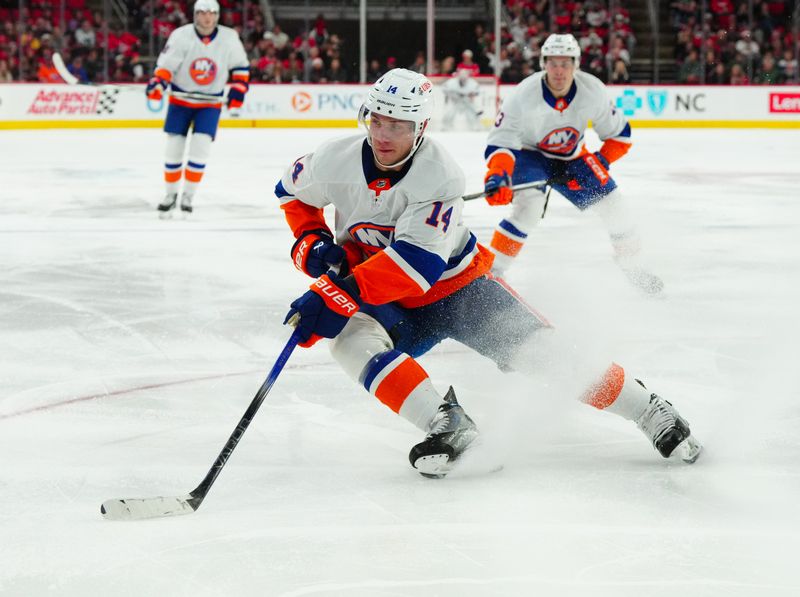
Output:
(324, 123)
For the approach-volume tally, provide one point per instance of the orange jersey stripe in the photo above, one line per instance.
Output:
(612, 149)
(240, 76)
(603, 394)
(172, 176)
(398, 385)
(380, 280)
(303, 217)
(180, 102)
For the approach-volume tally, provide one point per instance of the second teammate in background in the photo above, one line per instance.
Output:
(462, 101)
(539, 135)
(195, 65)
(399, 272)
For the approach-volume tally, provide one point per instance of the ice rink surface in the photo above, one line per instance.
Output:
(132, 346)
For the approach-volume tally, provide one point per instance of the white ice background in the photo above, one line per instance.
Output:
(130, 347)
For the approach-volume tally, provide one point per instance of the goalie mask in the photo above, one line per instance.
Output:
(402, 102)
(561, 45)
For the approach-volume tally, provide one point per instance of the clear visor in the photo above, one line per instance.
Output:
(385, 128)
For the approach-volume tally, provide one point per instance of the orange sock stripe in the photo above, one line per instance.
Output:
(398, 385)
(603, 394)
(193, 176)
(172, 175)
(502, 244)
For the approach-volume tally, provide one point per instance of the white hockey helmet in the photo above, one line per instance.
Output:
(207, 6)
(561, 45)
(402, 94)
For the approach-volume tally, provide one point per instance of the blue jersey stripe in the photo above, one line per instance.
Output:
(195, 165)
(429, 265)
(280, 191)
(455, 260)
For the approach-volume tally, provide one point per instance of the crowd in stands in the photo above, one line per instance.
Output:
(729, 45)
(719, 47)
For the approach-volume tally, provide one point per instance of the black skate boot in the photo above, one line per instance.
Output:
(186, 204)
(167, 205)
(668, 431)
(450, 433)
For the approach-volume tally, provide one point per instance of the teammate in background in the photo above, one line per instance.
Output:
(400, 272)
(538, 135)
(462, 101)
(195, 64)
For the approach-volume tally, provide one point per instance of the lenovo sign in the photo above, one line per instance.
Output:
(784, 103)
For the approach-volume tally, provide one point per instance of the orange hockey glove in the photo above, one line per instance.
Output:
(497, 182)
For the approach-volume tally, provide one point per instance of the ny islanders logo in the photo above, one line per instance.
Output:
(561, 141)
(203, 71)
(371, 237)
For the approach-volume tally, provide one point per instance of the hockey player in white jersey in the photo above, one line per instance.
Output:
(399, 272)
(462, 101)
(539, 135)
(195, 65)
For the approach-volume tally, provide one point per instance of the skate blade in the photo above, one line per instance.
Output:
(165, 215)
(473, 461)
(689, 450)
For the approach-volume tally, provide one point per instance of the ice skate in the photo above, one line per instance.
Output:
(668, 431)
(451, 432)
(167, 205)
(644, 280)
(186, 204)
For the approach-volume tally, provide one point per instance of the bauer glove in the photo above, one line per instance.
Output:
(497, 182)
(324, 310)
(156, 87)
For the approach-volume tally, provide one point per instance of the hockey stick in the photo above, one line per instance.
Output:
(155, 507)
(70, 79)
(539, 184)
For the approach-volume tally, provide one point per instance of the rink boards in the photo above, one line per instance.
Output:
(34, 106)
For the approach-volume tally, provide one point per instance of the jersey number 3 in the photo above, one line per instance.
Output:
(437, 216)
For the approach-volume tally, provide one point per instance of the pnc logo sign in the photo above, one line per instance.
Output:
(301, 101)
(784, 103)
(203, 71)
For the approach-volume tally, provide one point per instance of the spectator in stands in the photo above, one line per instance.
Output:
(618, 51)
(690, 71)
(336, 72)
(375, 70)
(77, 69)
(768, 73)
(85, 35)
(738, 76)
(718, 75)
(317, 73)
(5, 72)
(467, 63)
(420, 64)
(619, 74)
(746, 46)
(788, 66)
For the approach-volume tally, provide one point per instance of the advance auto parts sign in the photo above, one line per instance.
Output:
(71, 101)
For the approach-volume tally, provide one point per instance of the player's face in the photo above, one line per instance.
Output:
(560, 72)
(205, 21)
(391, 139)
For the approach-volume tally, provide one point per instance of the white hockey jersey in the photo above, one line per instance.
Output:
(407, 226)
(197, 64)
(531, 118)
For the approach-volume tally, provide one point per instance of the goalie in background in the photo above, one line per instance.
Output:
(462, 98)
(195, 64)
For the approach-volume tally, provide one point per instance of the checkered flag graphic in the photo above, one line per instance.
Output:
(107, 100)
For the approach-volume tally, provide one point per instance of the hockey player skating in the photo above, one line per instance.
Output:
(538, 135)
(195, 64)
(411, 274)
(462, 101)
